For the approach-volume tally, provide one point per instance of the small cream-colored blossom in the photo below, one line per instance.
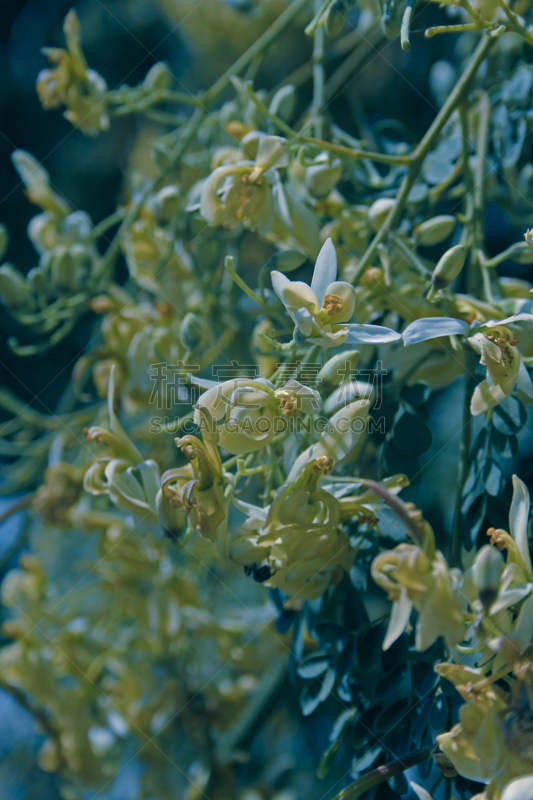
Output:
(245, 410)
(71, 83)
(298, 545)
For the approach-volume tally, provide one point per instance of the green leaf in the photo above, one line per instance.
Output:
(493, 478)
(314, 694)
(411, 435)
(506, 446)
(391, 717)
(312, 666)
(510, 417)
(416, 395)
(336, 736)
(369, 647)
(365, 761)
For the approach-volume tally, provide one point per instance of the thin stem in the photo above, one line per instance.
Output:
(464, 460)
(422, 150)
(340, 149)
(250, 292)
(257, 47)
(319, 75)
(516, 23)
(384, 773)
(409, 255)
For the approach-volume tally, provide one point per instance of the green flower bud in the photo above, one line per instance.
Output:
(63, 270)
(335, 18)
(4, 240)
(162, 156)
(14, 291)
(172, 517)
(283, 102)
(449, 267)
(379, 211)
(522, 253)
(158, 77)
(38, 280)
(435, 230)
(191, 331)
(528, 236)
(166, 203)
(320, 179)
(487, 571)
(339, 367)
(286, 260)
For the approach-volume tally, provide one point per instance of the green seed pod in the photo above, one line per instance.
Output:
(335, 18)
(166, 203)
(283, 102)
(4, 240)
(487, 571)
(158, 77)
(522, 253)
(379, 211)
(14, 291)
(339, 367)
(435, 230)
(191, 331)
(449, 267)
(286, 260)
(320, 179)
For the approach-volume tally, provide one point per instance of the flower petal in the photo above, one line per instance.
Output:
(325, 271)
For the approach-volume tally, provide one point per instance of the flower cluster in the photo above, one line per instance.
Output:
(291, 327)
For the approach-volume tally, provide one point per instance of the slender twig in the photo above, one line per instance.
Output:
(464, 459)
(424, 147)
(384, 773)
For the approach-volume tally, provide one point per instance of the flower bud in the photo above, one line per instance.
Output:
(487, 570)
(49, 756)
(172, 517)
(283, 102)
(379, 211)
(320, 179)
(166, 203)
(158, 77)
(4, 240)
(449, 267)
(162, 156)
(528, 236)
(191, 331)
(335, 17)
(516, 287)
(339, 367)
(435, 230)
(38, 280)
(263, 350)
(14, 291)
(522, 253)
(63, 270)
(286, 260)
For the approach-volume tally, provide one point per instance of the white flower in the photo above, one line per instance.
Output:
(321, 311)
(245, 410)
(242, 191)
(496, 344)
